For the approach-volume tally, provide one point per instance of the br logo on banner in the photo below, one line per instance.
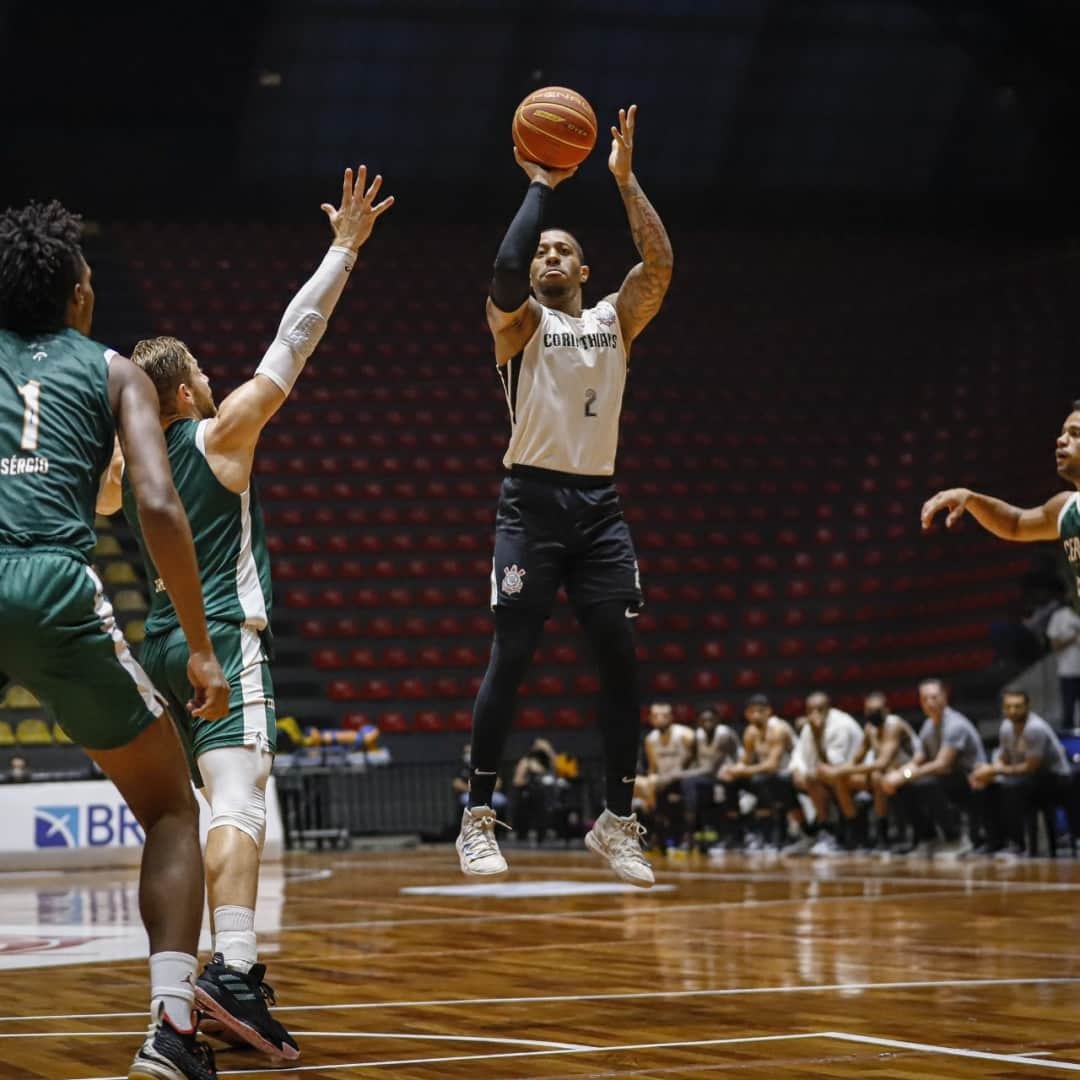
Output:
(56, 826)
(95, 825)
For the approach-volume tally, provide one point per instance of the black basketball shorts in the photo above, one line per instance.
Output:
(555, 529)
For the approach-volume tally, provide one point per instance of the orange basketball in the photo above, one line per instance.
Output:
(555, 127)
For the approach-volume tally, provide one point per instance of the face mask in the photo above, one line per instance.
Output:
(875, 716)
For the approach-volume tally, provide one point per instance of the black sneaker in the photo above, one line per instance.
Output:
(237, 1002)
(169, 1054)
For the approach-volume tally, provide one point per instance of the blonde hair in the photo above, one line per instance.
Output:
(168, 362)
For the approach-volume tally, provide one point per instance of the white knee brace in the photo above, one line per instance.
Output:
(235, 778)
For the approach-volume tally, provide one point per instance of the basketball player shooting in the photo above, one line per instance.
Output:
(559, 518)
(1056, 519)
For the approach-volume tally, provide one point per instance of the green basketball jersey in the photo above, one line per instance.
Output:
(56, 439)
(1069, 531)
(229, 535)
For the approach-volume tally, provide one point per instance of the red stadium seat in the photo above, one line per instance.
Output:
(413, 689)
(568, 717)
(342, 690)
(706, 681)
(396, 657)
(362, 658)
(429, 720)
(532, 718)
(747, 679)
(446, 686)
(327, 659)
(460, 720)
(550, 686)
(713, 650)
(393, 723)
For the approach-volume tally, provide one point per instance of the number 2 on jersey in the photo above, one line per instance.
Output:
(31, 394)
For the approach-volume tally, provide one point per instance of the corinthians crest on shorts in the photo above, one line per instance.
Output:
(513, 580)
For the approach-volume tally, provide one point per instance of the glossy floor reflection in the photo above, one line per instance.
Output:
(385, 966)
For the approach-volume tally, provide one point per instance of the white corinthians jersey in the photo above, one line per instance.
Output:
(565, 393)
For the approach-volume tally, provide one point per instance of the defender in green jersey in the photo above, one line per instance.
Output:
(212, 452)
(63, 398)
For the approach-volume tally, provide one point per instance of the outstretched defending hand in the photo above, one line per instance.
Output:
(537, 172)
(620, 161)
(954, 500)
(353, 221)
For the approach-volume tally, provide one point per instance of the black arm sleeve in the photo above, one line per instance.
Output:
(510, 280)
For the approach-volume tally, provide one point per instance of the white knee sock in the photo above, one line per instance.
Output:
(234, 936)
(172, 982)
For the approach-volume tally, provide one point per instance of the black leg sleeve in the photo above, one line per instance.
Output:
(517, 633)
(611, 637)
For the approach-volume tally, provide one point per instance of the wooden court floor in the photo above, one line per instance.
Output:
(389, 965)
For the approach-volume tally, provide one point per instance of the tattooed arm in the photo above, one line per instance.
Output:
(644, 287)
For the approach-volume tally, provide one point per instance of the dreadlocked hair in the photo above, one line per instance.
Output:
(41, 261)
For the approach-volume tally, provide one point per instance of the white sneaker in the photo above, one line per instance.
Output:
(478, 851)
(618, 839)
(825, 845)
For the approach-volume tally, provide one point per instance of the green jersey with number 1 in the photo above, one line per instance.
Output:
(56, 439)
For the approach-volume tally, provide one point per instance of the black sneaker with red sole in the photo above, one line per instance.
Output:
(235, 1008)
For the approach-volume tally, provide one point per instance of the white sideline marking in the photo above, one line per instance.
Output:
(446, 1038)
(735, 991)
(516, 890)
(954, 1051)
(841, 1036)
(72, 1034)
(829, 874)
(323, 1034)
(515, 1054)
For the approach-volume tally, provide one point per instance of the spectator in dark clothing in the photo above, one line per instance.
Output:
(537, 791)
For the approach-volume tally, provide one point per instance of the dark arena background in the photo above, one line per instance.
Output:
(873, 212)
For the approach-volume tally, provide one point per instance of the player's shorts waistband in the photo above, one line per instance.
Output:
(561, 479)
(8, 551)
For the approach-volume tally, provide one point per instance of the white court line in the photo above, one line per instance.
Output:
(73, 1034)
(830, 877)
(300, 877)
(953, 1051)
(831, 873)
(939, 895)
(445, 1038)
(323, 1034)
(840, 1036)
(493, 1057)
(735, 991)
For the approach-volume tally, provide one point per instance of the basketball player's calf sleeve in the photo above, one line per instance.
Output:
(510, 279)
(516, 636)
(612, 640)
